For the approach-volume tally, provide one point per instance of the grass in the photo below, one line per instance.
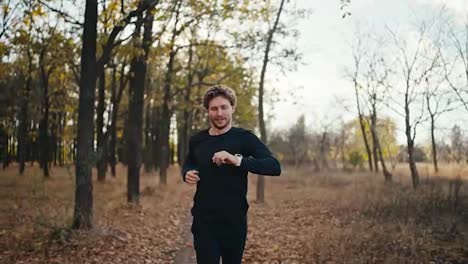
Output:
(336, 217)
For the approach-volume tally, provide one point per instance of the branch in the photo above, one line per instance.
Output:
(6, 19)
(119, 27)
(66, 17)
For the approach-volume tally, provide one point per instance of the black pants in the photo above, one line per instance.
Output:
(218, 236)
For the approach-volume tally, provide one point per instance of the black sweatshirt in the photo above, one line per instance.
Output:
(223, 189)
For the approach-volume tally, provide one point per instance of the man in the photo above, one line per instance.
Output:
(218, 161)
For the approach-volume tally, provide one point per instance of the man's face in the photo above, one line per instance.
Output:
(220, 112)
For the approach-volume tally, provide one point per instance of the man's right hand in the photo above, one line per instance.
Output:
(191, 177)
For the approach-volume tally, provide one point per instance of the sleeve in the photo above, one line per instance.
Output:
(259, 160)
(190, 162)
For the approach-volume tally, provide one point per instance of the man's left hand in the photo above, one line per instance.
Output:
(224, 157)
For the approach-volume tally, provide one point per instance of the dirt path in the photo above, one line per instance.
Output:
(186, 255)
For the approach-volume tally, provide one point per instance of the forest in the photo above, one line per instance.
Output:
(99, 99)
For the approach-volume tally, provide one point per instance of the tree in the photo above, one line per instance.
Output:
(371, 76)
(414, 64)
(456, 143)
(261, 118)
(25, 36)
(298, 141)
(83, 212)
(48, 62)
(386, 129)
(137, 90)
(354, 74)
(7, 15)
(165, 110)
(456, 73)
(116, 97)
(376, 88)
(437, 104)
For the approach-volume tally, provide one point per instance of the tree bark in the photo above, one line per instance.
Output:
(101, 155)
(375, 136)
(23, 125)
(44, 124)
(135, 111)
(148, 150)
(83, 210)
(116, 97)
(434, 145)
(410, 144)
(374, 140)
(61, 145)
(4, 146)
(156, 131)
(432, 116)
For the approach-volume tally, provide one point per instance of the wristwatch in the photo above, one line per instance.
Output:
(239, 159)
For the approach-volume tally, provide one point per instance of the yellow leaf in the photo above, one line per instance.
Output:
(5, 8)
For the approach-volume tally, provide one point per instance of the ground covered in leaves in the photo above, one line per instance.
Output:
(357, 218)
(308, 217)
(36, 216)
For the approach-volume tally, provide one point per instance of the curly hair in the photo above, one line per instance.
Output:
(219, 90)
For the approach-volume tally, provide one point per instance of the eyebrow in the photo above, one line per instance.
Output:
(215, 106)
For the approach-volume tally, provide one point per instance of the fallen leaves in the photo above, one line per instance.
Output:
(305, 220)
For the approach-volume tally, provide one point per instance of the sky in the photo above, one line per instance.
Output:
(324, 42)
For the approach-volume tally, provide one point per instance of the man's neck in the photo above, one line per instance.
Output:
(215, 131)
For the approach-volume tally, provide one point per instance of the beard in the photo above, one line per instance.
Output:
(220, 125)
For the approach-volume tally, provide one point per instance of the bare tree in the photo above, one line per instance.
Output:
(456, 73)
(414, 62)
(437, 103)
(358, 53)
(261, 118)
(377, 88)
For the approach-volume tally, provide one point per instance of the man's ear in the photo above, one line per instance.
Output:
(233, 109)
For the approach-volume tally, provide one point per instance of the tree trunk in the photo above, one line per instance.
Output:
(261, 118)
(184, 134)
(148, 139)
(23, 125)
(374, 142)
(83, 210)
(323, 150)
(165, 122)
(156, 132)
(23, 130)
(362, 120)
(375, 136)
(366, 142)
(101, 156)
(4, 146)
(116, 98)
(434, 145)
(135, 123)
(165, 111)
(53, 138)
(61, 137)
(410, 145)
(44, 125)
